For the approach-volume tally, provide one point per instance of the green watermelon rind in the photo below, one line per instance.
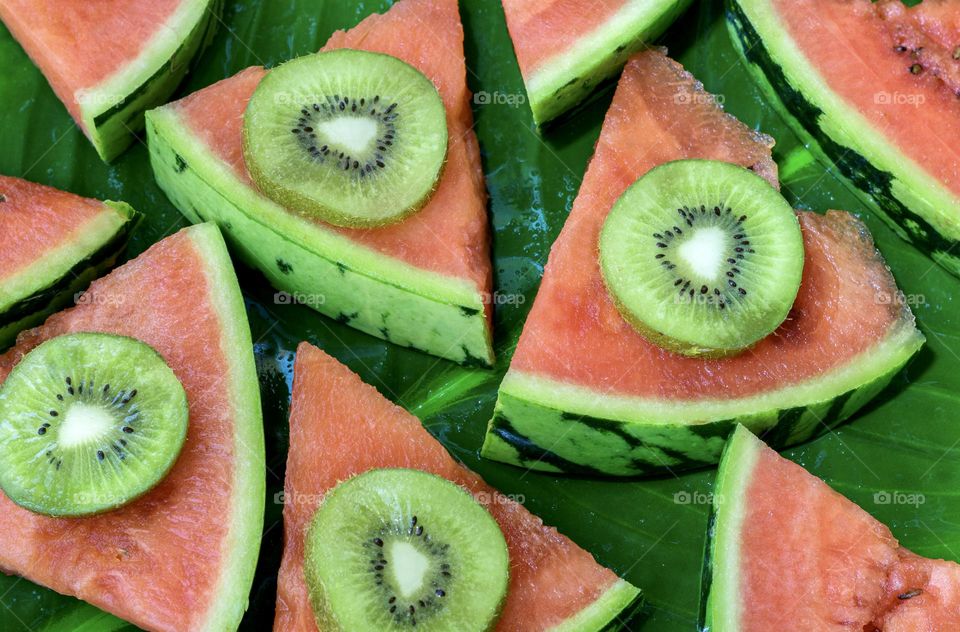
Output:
(229, 600)
(112, 112)
(611, 612)
(369, 291)
(916, 205)
(720, 609)
(567, 79)
(543, 424)
(54, 281)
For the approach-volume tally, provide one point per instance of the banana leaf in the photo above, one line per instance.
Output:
(650, 531)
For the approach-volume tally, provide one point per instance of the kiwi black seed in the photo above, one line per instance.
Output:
(88, 423)
(397, 549)
(703, 257)
(352, 137)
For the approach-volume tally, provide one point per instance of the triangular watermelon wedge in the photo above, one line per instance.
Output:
(586, 392)
(110, 61)
(183, 556)
(789, 553)
(424, 282)
(340, 427)
(566, 48)
(52, 244)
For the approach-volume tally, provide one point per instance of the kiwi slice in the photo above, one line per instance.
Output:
(703, 257)
(355, 138)
(397, 549)
(88, 422)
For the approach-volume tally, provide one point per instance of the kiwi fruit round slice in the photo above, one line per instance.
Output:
(88, 423)
(703, 257)
(397, 549)
(352, 137)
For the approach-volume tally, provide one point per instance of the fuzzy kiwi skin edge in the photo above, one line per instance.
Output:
(163, 474)
(308, 207)
(323, 614)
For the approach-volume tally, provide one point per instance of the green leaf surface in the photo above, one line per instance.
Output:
(905, 442)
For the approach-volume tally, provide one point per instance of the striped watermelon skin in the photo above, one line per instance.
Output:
(424, 282)
(880, 187)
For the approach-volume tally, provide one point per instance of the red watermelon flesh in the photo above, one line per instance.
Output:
(863, 60)
(36, 219)
(66, 38)
(542, 29)
(340, 427)
(931, 32)
(810, 559)
(177, 558)
(450, 234)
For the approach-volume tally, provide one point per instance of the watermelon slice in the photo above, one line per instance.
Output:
(52, 244)
(340, 427)
(181, 557)
(424, 282)
(789, 553)
(109, 61)
(566, 47)
(585, 392)
(888, 115)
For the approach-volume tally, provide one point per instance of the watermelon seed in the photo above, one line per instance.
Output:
(909, 595)
(916, 69)
(956, 55)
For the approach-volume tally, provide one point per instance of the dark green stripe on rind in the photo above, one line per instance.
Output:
(538, 437)
(61, 291)
(415, 320)
(861, 175)
(706, 574)
(114, 129)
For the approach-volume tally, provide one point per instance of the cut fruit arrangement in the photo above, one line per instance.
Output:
(687, 314)
(570, 402)
(423, 281)
(554, 584)
(105, 416)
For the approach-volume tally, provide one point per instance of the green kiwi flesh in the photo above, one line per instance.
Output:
(703, 257)
(88, 423)
(352, 137)
(397, 549)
